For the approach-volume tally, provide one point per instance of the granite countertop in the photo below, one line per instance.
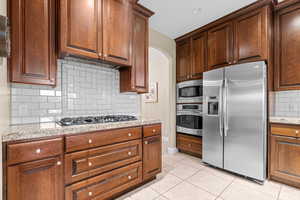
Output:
(285, 120)
(39, 130)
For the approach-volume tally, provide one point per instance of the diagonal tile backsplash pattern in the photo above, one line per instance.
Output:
(83, 89)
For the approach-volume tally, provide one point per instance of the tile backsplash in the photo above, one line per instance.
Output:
(286, 104)
(82, 90)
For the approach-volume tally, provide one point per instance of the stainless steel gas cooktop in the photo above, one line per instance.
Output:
(95, 120)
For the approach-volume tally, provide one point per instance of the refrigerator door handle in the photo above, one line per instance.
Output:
(221, 114)
(225, 107)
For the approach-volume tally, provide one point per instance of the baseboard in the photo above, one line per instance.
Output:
(172, 150)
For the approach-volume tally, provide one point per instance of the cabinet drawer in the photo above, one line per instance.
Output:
(152, 130)
(189, 144)
(106, 185)
(285, 130)
(28, 151)
(80, 165)
(101, 138)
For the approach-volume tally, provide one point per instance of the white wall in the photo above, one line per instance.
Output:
(162, 69)
(4, 96)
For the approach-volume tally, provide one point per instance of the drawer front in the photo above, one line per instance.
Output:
(152, 130)
(28, 151)
(285, 130)
(106, 185)
(101, 138)
(190, 144)
(80, 165)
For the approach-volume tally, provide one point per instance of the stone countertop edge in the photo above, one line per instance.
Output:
(42, 130)
(285, 120)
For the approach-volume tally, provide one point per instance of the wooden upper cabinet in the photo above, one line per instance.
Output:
(117, 31)
(285, 159)
(287, 48)
(251, 35)
(80, 28)
(140, 51)
(220, 46)
(36, 180)
(33, 58)
(183, 64)
(199, 55)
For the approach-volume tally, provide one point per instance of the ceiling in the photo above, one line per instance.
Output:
(177, 17)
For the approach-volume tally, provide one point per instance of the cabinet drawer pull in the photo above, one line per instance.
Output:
(90, 141)
(146, 142)
(90, 193)
(38, 151)
(90, 164)
(58, 163)
(129, 177)
(129, 134)
(129, 153)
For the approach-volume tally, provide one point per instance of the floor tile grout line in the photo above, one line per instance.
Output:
(278, 195)
(220, 195)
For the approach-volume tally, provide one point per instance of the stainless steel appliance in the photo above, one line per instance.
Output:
(95, 120)
(234, 121)
(189, 119)
(190, 91)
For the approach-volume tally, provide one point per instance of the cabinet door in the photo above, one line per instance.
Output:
(285, 159)
(251, 36)
(220, 46)
(287, 48)
(36, 180)
(80, 28)
(107, 185)
(33, 58)
(140, 52)
(199, 52)
(152, 157)
(183, 60)
(117, 31)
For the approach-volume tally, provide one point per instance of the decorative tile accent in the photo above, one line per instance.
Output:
(83, 89)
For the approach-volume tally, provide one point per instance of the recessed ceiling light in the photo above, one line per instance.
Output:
(197, 10)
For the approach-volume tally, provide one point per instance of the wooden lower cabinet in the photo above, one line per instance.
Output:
(84, 164)
(152, 159)
(106, 185)
(189, 144)
(36, 180)
(285, 160)
(94, 165)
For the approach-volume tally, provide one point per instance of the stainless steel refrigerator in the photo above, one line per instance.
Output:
(235, 119)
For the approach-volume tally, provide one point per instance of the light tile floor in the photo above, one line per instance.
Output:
(187, 178)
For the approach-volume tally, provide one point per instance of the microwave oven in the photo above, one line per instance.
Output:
(190, 91)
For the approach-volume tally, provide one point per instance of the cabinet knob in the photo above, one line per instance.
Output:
(153, 131)
(90, 141)
(129, 134)
(38, 151)
(90, 164)
(100, 54)
(146, 142)
(297, 131)
(190, 145)
(58, 163)
(90, 193)
(129, 153)
(129, 177)
(105, 55)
